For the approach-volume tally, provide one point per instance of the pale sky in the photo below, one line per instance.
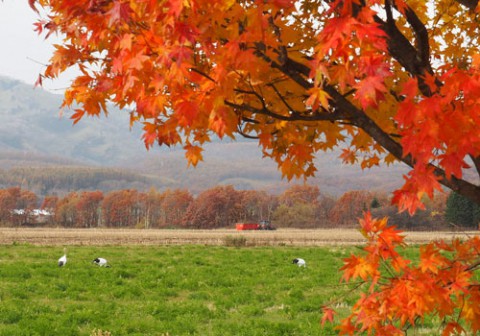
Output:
(22, 50)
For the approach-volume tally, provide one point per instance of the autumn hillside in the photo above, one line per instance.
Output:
(33, 133)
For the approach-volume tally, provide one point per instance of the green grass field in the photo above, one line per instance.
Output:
(179, 290)
(161, 290)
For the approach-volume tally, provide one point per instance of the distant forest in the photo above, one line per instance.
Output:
(300, 206)
(61, 180)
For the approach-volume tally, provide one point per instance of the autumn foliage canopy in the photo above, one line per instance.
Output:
(391, 80)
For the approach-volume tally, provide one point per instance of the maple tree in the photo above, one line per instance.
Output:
(387, 80)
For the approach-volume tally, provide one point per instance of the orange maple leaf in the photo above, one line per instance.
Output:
(193, 154)
(430, 259)
(460, 281)
(318, 98)
(453, 328)
(370, 225)
(407, 200)
(357, 267)
(175, 7)
(149, 134)
(77, 116)
(346, 327)
(348, 156)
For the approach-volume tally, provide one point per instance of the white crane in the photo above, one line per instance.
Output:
(102, 262)
(63, 259)
(300, 262)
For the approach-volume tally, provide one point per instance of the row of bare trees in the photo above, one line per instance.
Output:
(301, 206)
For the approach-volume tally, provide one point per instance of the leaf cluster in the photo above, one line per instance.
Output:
(400, 294)
(301, 77)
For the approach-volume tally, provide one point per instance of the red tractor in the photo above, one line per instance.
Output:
(263, 225)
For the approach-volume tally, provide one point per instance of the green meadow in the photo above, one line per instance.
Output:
(166, 290)
(169, 290)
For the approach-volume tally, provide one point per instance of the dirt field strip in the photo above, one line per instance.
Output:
(284, 237)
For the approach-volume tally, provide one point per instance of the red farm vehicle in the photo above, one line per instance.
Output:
(262, 225)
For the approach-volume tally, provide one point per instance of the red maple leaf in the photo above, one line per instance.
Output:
(370, 91)
(186, 111)
(283, 3)
(328, 315)
(176, 7)
(31, 3)
(119, 12)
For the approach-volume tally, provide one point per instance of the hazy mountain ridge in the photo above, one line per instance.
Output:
(34, 134)
(31, 121)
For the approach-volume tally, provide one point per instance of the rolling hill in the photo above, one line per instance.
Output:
(33, 133)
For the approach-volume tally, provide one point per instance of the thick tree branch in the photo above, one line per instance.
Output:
(421, 34)
(291, 117)
(362, 121)
(476, 162)
(245, 135)
(346, 111)
(416, 62)
(460, 186)
(470, 4)
(282, 98)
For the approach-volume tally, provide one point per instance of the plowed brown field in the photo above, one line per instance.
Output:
(285, 237)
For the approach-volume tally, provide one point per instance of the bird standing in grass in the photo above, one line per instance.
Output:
(63, 259)
(101, 262)
(300, 262)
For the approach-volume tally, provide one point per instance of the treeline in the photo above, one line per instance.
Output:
(300, 206)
